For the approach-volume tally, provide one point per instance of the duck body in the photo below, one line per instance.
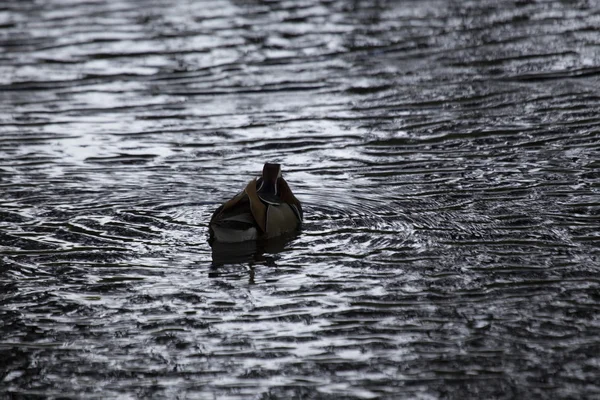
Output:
(266, 208)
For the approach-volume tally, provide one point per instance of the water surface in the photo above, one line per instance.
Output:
(446, 154)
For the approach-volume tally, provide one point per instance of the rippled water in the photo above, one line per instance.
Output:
(446, 154)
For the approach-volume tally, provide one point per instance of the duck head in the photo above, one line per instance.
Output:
(273, 189)
(268, 182)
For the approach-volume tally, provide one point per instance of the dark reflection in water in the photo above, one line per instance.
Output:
(446, 154)
(249, 252)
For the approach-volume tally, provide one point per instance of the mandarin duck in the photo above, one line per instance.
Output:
(264, 209)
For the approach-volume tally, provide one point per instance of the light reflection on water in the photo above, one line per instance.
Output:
(445, 154)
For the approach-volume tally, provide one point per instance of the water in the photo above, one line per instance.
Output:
(446, 154)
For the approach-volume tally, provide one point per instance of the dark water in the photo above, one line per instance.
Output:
(447, 155)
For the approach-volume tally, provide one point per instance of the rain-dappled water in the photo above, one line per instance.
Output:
(447, 155)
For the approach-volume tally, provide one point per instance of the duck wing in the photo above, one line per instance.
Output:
(234, 214)
(286, 195)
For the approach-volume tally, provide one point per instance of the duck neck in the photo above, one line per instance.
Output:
(268, 187)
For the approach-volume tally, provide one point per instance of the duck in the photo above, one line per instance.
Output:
(266, 208)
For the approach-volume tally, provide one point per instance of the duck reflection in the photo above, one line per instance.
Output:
(249, 253)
